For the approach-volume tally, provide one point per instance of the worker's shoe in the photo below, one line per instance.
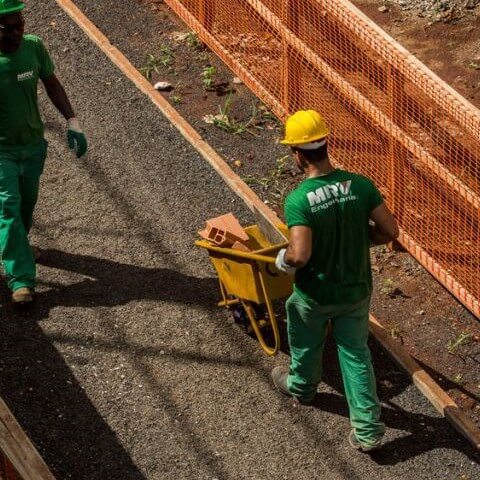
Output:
(364, 447)
(279, 377)
(22, 296)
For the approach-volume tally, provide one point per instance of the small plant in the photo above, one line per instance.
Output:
(154, 63)
(177, 99)
(166, 56)
(266, 114)
(193, 41)
(272, 184)
(387, 288)
(458, 378)
(208, 77)
(462, 339)
(440, 6)
(475, 65)
(395, 332)
(224, 121)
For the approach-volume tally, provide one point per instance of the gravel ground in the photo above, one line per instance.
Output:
(435, 10)
(125, 369)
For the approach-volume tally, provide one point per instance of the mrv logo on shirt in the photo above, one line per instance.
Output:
(328, 195)
(25, 76)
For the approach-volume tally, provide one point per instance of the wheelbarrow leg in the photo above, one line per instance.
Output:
(271, 314)
(256, 323)
(226, 302)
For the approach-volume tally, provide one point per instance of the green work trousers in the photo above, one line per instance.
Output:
(20, 170)
(307, 331)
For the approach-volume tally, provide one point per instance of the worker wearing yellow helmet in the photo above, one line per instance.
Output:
(328, 216)
(23, 61)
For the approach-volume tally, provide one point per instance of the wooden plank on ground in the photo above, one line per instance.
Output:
(19, 450)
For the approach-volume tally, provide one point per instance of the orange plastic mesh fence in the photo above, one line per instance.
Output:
(391, 118)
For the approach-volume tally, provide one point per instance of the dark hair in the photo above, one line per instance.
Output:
(313, 156)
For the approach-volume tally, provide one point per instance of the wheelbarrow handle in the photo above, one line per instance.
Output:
(230, 252)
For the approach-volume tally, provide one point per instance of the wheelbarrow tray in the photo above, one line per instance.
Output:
(241, 273)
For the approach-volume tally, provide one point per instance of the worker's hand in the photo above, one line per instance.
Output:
(282, 265)
(76, 138)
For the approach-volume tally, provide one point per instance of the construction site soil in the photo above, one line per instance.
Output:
(437, 330)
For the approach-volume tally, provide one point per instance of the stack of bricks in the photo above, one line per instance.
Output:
(225, 231)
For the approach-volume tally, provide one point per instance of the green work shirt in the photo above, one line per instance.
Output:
(20, 122)
(336, 207)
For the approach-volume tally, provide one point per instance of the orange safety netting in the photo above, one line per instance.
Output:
(391, 118)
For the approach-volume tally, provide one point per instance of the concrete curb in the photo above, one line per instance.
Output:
(438, 397)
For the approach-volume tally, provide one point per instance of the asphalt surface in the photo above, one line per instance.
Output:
(125, 369)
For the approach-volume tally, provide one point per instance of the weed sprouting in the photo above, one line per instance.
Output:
(153, 63)
(226, 122)
(272, 183)
(463, 339)
(194, 42)
(387, 287)
(208, 77)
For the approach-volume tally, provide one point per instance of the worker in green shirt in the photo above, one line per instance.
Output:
(23, 149)
(328, 216)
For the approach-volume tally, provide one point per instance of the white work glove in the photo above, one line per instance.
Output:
(282, 265)
(76, 138)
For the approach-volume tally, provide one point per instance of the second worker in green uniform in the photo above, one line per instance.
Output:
(328, 218)
(23, 149)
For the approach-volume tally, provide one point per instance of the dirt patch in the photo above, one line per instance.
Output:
(443, 35)
(417, 311)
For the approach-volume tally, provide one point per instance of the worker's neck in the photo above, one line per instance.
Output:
(319, 169)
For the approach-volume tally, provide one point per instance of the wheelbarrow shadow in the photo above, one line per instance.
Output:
(420, 432)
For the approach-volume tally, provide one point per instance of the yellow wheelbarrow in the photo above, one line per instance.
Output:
(250, 279)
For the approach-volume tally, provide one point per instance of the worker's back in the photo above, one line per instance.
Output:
(336, 206)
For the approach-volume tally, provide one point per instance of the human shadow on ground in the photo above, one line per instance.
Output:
(43, 392)
(111, 283)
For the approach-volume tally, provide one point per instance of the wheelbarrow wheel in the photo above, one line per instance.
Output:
(240, 317)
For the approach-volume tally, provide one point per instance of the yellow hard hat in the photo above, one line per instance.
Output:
(304, 126)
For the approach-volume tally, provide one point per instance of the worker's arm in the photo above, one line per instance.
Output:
(299, 249)
(298, 252)
(385, 228)
(56, 93)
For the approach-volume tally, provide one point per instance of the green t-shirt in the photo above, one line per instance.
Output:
(336, 207)
(20, 122)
